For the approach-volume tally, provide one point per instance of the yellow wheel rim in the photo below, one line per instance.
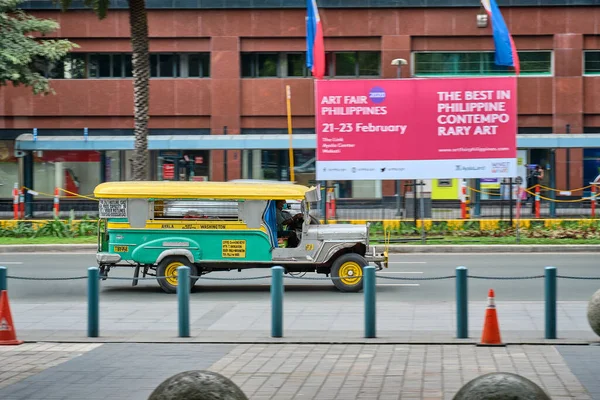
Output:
(350, 273)
(171, 271)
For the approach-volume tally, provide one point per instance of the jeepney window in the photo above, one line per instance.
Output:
(204, 209)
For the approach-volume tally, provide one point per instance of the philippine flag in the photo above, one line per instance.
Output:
(315, 48)
(506, 51)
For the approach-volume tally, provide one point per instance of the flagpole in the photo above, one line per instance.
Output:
(289, 120)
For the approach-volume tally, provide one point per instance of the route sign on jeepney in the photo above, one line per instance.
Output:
(113, 208)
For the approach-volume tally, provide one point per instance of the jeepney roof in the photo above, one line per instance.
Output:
(198, 190)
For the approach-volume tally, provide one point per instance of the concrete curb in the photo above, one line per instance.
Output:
(41, 248)
(393, 249)
(492, 248)
(349, 341)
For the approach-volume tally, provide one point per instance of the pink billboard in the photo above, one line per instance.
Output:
(416, 128)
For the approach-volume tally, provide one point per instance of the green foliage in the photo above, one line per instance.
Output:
(20, 49)
(53, 228)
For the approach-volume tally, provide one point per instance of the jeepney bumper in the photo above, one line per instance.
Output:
(379, 259)
(107, 258)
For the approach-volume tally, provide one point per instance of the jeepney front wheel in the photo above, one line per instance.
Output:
(347, 272)
(168, 269)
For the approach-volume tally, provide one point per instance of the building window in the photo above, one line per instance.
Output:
(591, 62)
(354, 63)
(296, 65)
(73, 66)
(260, 65)
(198, 65)
(109, 65)
(340, 64)
(120, 65)
(479, 63)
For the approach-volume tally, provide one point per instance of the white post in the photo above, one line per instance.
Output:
(59, 175)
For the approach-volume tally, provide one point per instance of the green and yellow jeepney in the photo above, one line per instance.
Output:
(156, 227)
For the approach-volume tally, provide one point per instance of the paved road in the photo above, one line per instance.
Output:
(410, 265)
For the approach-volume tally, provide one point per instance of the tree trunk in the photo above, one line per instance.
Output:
(141, 75)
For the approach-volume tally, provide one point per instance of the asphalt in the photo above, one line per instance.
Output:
(446, 248)
(395, 283)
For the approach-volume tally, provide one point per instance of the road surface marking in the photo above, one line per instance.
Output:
(401, 272)
(398, 284)
(10, 263)
(407, 262)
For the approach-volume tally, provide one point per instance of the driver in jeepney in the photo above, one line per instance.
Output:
(286, 220)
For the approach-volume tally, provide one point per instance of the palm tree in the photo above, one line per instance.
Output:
(138, 23)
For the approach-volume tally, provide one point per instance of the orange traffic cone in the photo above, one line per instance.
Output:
(8, 335)
(491, 329)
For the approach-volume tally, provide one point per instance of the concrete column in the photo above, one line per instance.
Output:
(225, 102)
(568, 106)
(245, 155)
(392, 47)
(257, 171)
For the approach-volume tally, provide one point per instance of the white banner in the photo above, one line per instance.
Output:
(417, 169)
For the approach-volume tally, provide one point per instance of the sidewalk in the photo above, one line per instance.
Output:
(335, 322)
(290, 371)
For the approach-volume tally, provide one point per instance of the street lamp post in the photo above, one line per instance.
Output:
(398, 62)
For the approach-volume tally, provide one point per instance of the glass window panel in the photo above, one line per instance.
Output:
(168, 65)
(536, 62)
(473, 63)
(128, 65)
(592, 62)
(117, 66)
(154, 65)
(56, 69)
(345, 64)
(329, 70)
(368, 63)
(268, 65)
(75, 67)
(205, 59)
(194, 65)
(103, 61)
(296, 65)
(248, 60)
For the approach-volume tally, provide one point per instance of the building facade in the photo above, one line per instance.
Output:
(223, 71)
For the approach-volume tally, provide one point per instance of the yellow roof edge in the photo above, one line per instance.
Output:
(199, 190)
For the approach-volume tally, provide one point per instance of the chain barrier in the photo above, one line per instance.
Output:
(532, 193)
(30, 278)
(310, 278)
(505, 277)
(578, 277)
(42, 194)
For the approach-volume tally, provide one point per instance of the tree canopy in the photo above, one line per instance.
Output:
(20, 49)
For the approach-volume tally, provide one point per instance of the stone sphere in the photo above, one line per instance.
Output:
(593, 312)
(197, 385)
(501, 386)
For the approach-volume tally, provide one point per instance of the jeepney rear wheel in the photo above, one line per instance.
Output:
(168, 267)
(347, 272)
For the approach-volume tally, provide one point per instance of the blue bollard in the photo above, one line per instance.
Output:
(183, 300)
(277, 302)
(370, 308)
(3, 285)
(550, 292)
(462, 304)
(93, 301)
